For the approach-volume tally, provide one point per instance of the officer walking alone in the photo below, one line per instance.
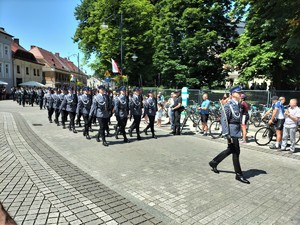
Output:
(231, 127)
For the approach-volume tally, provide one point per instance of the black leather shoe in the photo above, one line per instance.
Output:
(241, 179)
(213, 166)
(139, 138)
(74, 131)
(55, 120)
(116, 134)
(126, 140)
(108, 135)
(90, 129)
(50, 121)
(70, 129)
(145, 132)
(105, 143)
(88, 137)
(64, 127)
(97, 139)
(154, 136)
(84, 133)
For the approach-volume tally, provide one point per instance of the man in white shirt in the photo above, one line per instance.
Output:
(292, 115)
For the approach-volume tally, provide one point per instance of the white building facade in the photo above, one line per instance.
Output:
(6, 73)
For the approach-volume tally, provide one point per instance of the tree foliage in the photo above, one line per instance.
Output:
(189, 36)
(270, 46)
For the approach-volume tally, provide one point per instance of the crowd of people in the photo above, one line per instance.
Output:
(99, 105)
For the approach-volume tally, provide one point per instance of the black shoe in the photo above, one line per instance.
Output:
(70, 129)
(213, 166)
(126, 140)
(130, 132)
(84, 133)
(242, 179)
(88, 137)
(57, 124)
(145, 130)
(74, 131)
(97, 139)
(50, 121)
(154, 136)
(173, 132)
(55, 121)
(90, 129)
(139, 138)
(64, 127)
(116, 134)
(105, 143)
(108, 135)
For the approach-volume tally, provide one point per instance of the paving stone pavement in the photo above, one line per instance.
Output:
(60, 178)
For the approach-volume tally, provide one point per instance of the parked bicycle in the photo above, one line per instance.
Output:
(192, 114)
(264, 135)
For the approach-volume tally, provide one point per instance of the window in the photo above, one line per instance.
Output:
(34, 72)
(6, 69)
(0, 67)
(27, 71)
(38, 72)
(5, 49)
(1, 50)
(18, 69)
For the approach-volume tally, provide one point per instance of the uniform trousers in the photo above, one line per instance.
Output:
(136, 124)
(72, 120)
(64, 115)
(234, 149)
(87, 122)
(151, 123)
(41, 103)
(50, 113)
(56, 114)
(122, 125)
(102, 126)
(176, 123)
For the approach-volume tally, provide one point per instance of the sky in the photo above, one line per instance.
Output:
(49, 24)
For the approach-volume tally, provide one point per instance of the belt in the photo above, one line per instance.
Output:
(235, 123)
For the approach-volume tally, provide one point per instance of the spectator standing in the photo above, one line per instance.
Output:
(245, 117)
(277, 118)
(204, 113)
(292, 116)
(159, 113)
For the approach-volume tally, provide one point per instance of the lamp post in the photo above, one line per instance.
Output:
(77, 62)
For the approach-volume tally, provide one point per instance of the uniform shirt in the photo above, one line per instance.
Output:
(56, 101)
(135, 103)
(280, 111)
(150, 107)
(48, 100)
(121, 106)
(69, 103)
(84, 104)
(100, 106)
(289, 123)
(205, 104)
(231, 119)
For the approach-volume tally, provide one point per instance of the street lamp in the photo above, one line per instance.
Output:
(77, 61)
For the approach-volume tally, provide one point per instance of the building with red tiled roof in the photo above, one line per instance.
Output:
(25, 65)
(57, 71)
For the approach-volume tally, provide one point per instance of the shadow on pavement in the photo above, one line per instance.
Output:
(248, 173)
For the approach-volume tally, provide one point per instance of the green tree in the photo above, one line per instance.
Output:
(135, 28)
(270, 45)
(189, 36)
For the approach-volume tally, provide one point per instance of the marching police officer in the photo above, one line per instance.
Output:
(78, 120)
(83, 108)
(70, 103)
(121, 112)
(62, 108)
(56, 105)
(150, 109)
(136, 105)
(40, 97)
(100, 108)
(231, 128)
(48, 102)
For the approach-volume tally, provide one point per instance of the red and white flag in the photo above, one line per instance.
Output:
(115, 68)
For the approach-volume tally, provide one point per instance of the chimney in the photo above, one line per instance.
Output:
(16, 40)
(57, 54)
(2, 28)
(32, 46)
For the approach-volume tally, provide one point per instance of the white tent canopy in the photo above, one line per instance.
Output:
(32, 84)
(3, 83)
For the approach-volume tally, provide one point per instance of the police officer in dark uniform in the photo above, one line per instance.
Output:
(40, 97)
(100, 108)
(78, 120)
(83, 108)
(56, 105)
(62, 108)
(177, 112)
(23, 95)
(136, 105)
(121, 112)
(150, 109)
(31, 94)
(231, 128)
(70, 103)
(48, 102)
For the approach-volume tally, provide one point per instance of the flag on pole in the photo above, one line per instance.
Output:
(72, 78)
(115, 67)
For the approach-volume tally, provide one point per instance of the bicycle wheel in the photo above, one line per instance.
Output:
(256, 121)
(297, 136)
(183, 124)
(263, 136)
(215, 129)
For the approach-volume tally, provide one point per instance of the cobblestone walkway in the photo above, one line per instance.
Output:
(38, 186)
